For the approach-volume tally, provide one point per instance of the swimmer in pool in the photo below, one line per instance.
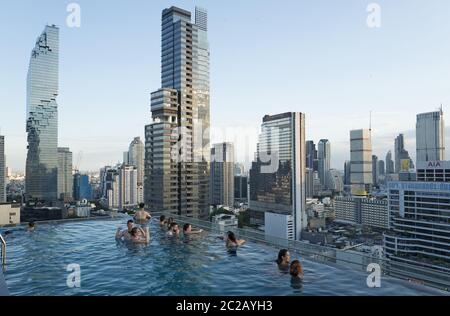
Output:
(232, 242)
(140, 236)
(169, 222)
(31, 227)
(162, 221)
(174, 230)
(284, 259)
(142, 215)
(187, 230)
(125, 234)
(296, 271)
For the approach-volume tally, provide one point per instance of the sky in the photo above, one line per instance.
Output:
(319, 57)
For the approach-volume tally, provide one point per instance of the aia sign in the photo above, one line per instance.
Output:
(434, 164)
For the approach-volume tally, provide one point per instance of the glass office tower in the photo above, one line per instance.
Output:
(178, 141)
(277, 177)
(42, 118)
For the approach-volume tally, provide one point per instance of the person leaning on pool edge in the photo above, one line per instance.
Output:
(187, 230)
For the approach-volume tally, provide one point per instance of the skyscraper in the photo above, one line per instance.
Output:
(375, 169)
(347, 172)
(222, 174)
(401, 154)
(2, 170)
(136, 155)
(65, 178)
(42, 118)
(277, 177)
(324, 157)
(361, 161)
(381, 168)
(389, 163)
(311, 154)
(178, 141)
(128, 191)
(82, 188)
(430, 137)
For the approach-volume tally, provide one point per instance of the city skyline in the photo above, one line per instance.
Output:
(83, 96)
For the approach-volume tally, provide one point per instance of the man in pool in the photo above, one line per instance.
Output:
(142, 215)
(125, 234)
(174, 230)
(187, 230)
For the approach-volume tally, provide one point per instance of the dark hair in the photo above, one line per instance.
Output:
(170, 221)
(141, 205)
(172, 225)
(134, 231)
(281, 254)
(186, 227)
(162, 218)
(232, 236)
(296, 268)
(31, 224)
(130, 222)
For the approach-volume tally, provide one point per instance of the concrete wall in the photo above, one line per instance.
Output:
(9, 214)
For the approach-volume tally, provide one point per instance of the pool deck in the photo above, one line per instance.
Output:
(3, 289)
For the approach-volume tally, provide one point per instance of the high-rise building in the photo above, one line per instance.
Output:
(136, 155)
(335, 181)
(401, 154)
(419, 213)
(347, 172)
(381, 168)
(241, 188)
(311, 154)
(2, 170)
(65, 178)
(82, 189)
(324, 157)
(309, 183)
(178, 141)
(128, 189)
(430, 136)
(389, 163)
(277, 177)
(222, 174)
(361, 161)
(42, 118)
(375, 170)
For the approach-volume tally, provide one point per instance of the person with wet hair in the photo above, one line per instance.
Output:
(232, 242)
(174, 230)
(296, 270)
(283, 260)
(125, 234)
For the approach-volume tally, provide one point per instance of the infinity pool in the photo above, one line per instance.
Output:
(199, 265)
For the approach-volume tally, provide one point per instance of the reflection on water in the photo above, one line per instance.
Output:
(185, 265)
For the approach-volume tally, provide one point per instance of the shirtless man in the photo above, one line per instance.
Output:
(142, 215)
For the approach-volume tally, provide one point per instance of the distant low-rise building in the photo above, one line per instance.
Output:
(362, 211)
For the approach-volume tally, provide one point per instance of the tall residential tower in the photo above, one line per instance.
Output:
(178, 142)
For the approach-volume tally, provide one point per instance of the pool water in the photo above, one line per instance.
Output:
(194, 266)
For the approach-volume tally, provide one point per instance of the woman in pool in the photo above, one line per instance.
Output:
(284, 258)
(232, 242)
(140, 236)
(162, 221)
